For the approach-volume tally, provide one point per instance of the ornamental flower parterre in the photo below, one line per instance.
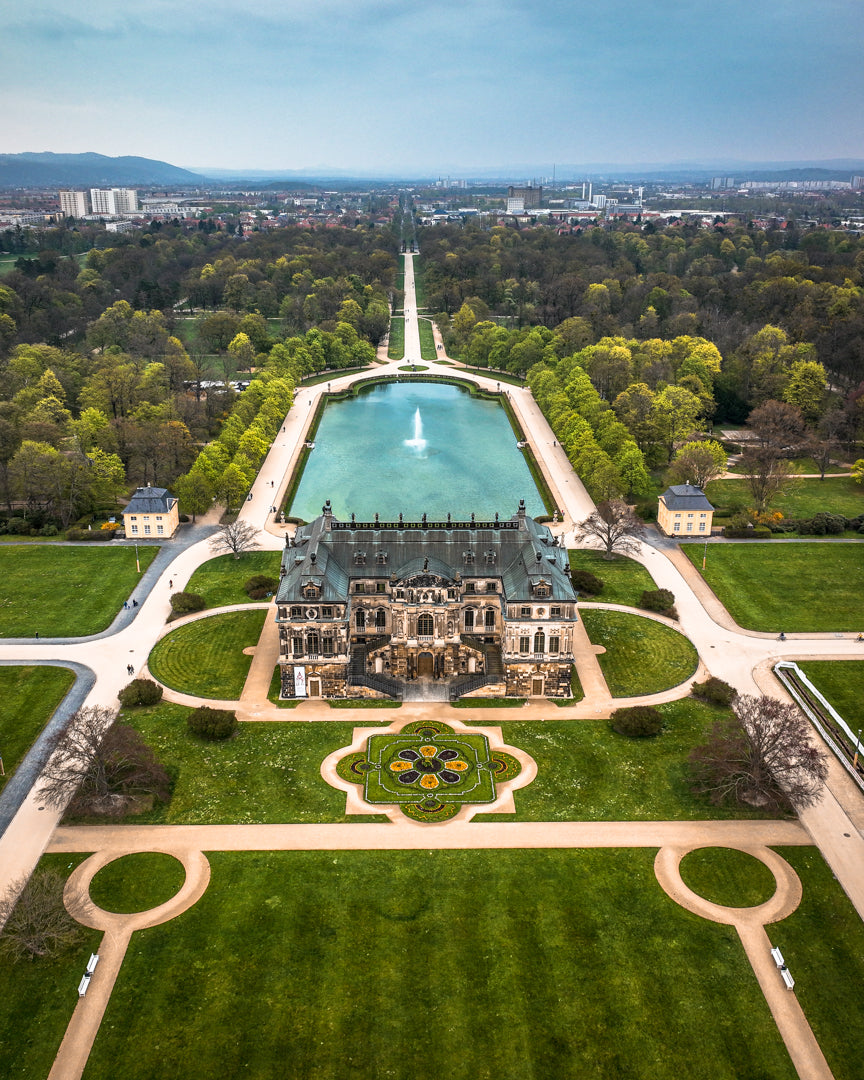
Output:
(430, 765)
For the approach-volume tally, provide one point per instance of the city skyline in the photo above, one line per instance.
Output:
(386, 87)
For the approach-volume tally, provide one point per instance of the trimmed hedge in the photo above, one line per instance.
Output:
(586, 582)
(715, 691)
(184, 603)
(140, 692)
(637, 722)
(757, 532)
(661, 601)
(212, 724)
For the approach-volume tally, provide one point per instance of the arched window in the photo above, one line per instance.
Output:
(380, 619)
(425, 625)
(469, 618)
(539, 642)
(490, 618)
(360, 619)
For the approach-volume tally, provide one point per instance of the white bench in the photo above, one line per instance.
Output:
(777, 957)
(92, 962)
(787, 978)
(82, 986)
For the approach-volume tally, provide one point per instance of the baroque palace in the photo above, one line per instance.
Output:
(425, 609)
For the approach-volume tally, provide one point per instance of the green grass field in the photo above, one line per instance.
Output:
(624, 580)
(66, 591)
(28, 698)
(427, 340)
(396, 345)
(834, 495)
(842, 683)
(787, 586)
(642, 656)
(364, 964)
(220, 581)
(206, 657)
(137, 882)
(587, 772)
(268, 772)
(727, 876)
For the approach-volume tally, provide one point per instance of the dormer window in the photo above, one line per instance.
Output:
(468, 556)
(359, 558)
(541, 589)
(311, 592)
(490, 558)
(381, 558)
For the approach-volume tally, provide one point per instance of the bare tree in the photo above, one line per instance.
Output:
(34, 920)
(236, 537)
(768, 475)
(764, 755)
(615, 525)
(100, 767)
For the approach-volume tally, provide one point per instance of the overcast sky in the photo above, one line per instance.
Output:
(437, 87)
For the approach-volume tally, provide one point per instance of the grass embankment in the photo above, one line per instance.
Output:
(66, 591)
(220, 581)
(28, 698)
(642, 656)
(587, 772)
(329, 935)
(206, 657)
(842, 683)
(791, 587)
(267, 773)
(396, 341)
(833, 495)
(624, 580)
(137, 882)
(427, 340)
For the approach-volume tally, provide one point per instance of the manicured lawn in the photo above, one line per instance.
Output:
(396, 345)
(427, 340)
(842, 683)
(642, 656)
(624, 580)
(787, 586)
(834, 495)
(587, 772)
(206, 657)
(137, 882)
(65, 591)
(823, 945)
(269, 772)
(573, 964)
(727, 876)
(28, 698)
(37, 999)
(220, 581)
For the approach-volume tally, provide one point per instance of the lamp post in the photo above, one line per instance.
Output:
(137, 560)
(705, 553)
(857, 750)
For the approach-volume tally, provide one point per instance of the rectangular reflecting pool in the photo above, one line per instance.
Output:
(415, 448)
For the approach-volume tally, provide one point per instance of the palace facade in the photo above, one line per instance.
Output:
(425, 609)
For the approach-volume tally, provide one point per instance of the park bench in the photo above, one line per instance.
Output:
(777, 957)
(82, 986)
(787, 978)
(92, 962)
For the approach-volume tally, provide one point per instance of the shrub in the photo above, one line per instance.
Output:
(184, 518)
(260, 585)
(715, 691)
(823, 524)
(182, 603)
(49, 530)
(757, 532)
(637, 722)
(140, 692)
(94, 535)
(212, 724)
(660, 600)
(586, 582)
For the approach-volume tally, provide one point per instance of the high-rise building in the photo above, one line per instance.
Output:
(73, 204)
(114, 200)
(531, 195)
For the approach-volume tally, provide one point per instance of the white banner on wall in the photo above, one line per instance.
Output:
(300, 682)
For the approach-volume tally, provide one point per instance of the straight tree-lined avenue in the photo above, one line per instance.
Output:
(743, 658)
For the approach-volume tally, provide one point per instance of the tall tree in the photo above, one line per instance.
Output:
(614, 526)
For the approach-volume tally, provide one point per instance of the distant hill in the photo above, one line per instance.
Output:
(89, 170)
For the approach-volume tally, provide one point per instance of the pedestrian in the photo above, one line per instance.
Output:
(171, 583)
(37, 635)
(782, 636)
(125, 605)
(134, 603)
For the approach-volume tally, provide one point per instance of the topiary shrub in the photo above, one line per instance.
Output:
(586, 582)
(182, 603)
(661, 601)
(260, 585)
(637, 721)
(140, 692)
(92, 535)
(212, 724)
(715, 691)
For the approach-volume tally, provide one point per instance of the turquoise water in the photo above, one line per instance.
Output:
(368, 458)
